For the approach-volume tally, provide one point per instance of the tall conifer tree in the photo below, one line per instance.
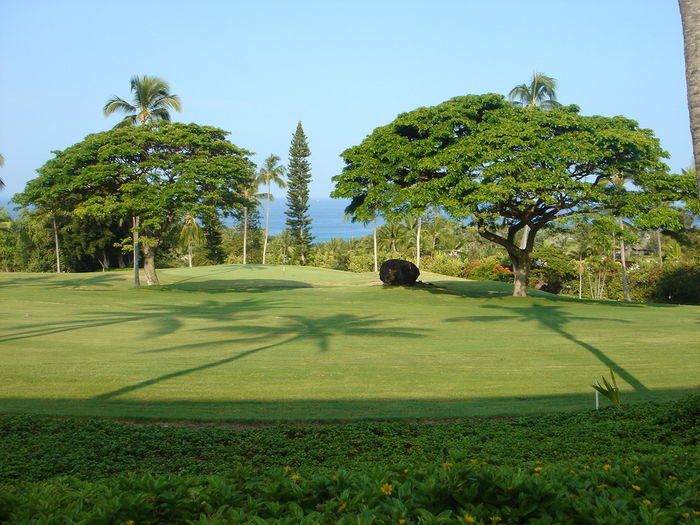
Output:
(298, 177)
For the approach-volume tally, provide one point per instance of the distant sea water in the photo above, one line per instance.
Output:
(327, 219)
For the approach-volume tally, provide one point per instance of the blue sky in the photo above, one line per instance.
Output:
(343, 68)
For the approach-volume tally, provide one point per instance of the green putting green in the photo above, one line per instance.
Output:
(296, 343)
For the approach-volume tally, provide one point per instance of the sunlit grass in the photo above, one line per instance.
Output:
(255, 342)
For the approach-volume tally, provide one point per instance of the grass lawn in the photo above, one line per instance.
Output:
(290, 343)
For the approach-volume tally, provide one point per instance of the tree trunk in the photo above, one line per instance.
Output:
(374, 239)
(189, 252)
(690, 17)
(418, 232)
(149, 264)
(523, 241)
(245, 235)
(267, 222)
(660, 247)
(56, 246)
(136, 222)
(521, 272)
(623, 260)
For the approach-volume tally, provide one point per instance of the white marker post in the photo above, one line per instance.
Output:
(597, 396)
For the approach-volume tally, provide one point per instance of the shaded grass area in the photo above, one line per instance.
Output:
(38, 448)
(294, 343)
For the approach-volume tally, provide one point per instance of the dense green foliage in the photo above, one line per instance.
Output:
(298, 178)
(641, 465)
(156, 172)
(508, 169)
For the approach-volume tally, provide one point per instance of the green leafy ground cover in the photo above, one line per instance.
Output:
(641, 465)
(210, 342)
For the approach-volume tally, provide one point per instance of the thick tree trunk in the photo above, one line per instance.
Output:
(149, 264)
(56, 246)
(690, 17)
(521, 273)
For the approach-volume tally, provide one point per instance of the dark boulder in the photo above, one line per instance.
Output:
(398, 272)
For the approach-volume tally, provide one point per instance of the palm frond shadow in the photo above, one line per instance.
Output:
(555, 318)
(293, 330)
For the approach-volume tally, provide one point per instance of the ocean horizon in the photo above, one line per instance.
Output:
(327, 219)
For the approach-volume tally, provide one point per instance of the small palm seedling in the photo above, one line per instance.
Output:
(611, 391)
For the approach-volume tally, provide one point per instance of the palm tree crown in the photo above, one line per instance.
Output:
(151, 100)
(540, 92)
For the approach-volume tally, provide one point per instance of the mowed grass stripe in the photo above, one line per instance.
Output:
(226, 341)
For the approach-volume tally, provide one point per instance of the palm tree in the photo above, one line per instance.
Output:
(190, 235)
(2, 163)
(541, 91)
(270, 173)
(151, 101)
(690, 17)
(249, 194)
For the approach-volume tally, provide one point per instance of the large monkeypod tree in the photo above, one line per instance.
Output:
(505, 168)
(156, 172)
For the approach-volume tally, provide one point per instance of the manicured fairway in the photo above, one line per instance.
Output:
(262, 343)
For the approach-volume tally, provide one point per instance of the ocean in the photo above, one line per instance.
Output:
(327, 219)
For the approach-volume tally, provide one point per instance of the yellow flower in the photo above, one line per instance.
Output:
(572, 471)
(343, 506)
(686, 515)
(402, 521)
(405, 471)
(287, 468)
(448, 465)
(646, 501)
(696, 512)
(295, 477)
(203, 502)
(469, 519)
(603, 486)
(538, 462)
(387, 489)
(496, 519)
(475, 461)
(628, 463)
(537, 469)
(130, 522)
(636, 487)
(674, 478)
(607, 466)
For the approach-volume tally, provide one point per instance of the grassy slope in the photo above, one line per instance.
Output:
(256, 343)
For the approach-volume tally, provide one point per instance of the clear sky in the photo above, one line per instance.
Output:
(255, 68)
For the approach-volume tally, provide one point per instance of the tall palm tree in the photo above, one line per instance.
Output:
(541, 91)
(271, 172)
(151, 101)
(249, 194)
(190, 235)
(690, 17)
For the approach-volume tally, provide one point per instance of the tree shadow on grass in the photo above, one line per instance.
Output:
(294, 329)
(236, 285)
(164, 319)
(555, 318)
(95, 282)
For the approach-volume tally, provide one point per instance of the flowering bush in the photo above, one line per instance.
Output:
(487, 271)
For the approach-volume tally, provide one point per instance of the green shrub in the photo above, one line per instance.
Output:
(443, 264)
(487, 271)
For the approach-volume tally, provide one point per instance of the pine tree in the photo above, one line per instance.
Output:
(298, 177)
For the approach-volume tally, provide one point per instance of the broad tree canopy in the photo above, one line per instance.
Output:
(159, 172)
(505, 167)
